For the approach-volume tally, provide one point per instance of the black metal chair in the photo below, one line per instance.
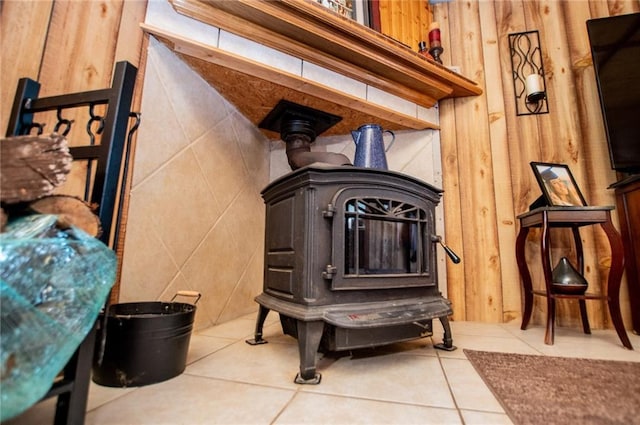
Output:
(106, 163)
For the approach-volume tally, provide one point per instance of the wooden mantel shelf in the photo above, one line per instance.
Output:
(305, 29)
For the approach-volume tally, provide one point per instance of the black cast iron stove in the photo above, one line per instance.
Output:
(350, 260)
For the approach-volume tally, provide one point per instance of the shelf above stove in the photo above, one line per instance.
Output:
(308, 31)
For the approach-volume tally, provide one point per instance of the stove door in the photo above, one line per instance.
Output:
(382, 239)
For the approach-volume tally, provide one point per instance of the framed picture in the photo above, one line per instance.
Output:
(360, 11)
(558, 186)
(342, 7)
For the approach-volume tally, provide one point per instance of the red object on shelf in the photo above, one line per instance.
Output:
(434, 36)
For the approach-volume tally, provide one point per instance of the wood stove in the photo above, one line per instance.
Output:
(350, 260)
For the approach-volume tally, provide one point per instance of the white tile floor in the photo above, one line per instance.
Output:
(230, 382)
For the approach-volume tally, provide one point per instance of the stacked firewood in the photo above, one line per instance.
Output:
(31, 169)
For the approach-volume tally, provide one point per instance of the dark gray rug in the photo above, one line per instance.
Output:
(557, 390)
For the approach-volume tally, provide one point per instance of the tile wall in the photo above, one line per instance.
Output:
(196, 218)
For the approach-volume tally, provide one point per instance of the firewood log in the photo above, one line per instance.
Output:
(70, 211)
(32, 166)
(3, 219)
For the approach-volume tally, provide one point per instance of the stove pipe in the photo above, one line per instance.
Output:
(298, 126)
(298, 134)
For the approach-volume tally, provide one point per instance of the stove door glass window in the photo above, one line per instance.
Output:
(383, 237)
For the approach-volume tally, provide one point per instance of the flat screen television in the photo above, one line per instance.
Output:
(615, 48)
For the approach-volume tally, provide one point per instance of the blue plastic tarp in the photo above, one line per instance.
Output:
(53, 284)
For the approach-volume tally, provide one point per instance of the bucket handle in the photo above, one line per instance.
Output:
(195, 294)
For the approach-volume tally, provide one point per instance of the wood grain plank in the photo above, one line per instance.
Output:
(385, 11)
(413, 24)
(130, 35)
(87, 52)
(592, 134)
(622, 7)
(483, 290)
(456, 281)
(504, 199)
(522, 134)
(24, 27)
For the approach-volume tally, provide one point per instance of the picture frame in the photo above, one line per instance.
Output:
(558, 186)
(344, 8)
(359, 10)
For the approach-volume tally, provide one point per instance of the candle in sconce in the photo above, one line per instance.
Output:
(534, 88)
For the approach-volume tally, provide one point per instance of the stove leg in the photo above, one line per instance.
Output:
(262, 316)
(309, 335)
(447, 343)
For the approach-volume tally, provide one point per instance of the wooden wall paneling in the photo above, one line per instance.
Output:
(454, 237)
(74, 47)
(523, 132)
(622, 7)
(87, 52)
(452, 206)
(79, 60)
(420, 18)
(385, 13)
(417, 15)
(523, 147)
(506, 221)
(546, 140)
(530, 138)
(483, 282)
(130, 47)
(414, 30)
(399, 21)
(593, 138)
(24, 27)
(426, 17)
(130, 36)
(562, 142)
(405, 21)
(451, 198)
(569, 148)
(598, 8)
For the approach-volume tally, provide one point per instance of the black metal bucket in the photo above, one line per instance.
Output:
(146, 342)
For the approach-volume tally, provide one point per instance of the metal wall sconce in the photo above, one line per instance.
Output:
(529, 86)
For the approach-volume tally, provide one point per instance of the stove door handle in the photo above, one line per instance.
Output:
(329, 272)
(454, 257)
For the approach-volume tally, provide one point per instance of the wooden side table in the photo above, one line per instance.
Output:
(570, 217)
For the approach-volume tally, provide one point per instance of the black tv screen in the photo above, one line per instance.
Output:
(615, 48)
